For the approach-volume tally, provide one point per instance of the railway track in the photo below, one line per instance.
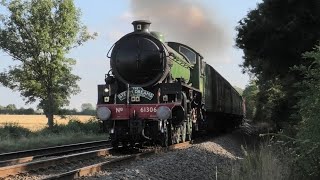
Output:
(102, 160)
(84, 171)
(30, 155)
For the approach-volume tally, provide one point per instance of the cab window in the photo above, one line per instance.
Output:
(188, 53)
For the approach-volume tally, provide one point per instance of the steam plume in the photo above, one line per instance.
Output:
(189, 23)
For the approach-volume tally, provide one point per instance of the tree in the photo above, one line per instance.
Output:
(86, 106)
(309, 105)
(11, 107)
(38, 34)
(250, 96)
(28, 111)
(87, 109)
(273, 36)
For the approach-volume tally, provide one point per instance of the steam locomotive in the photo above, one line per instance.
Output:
(163, 92)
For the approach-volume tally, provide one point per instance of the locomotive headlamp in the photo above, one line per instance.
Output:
(106, 99)
(103, 113)
(106, 90)
(165, 98)
(163, 112)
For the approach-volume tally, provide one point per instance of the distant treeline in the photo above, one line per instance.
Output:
(12, 109)
(5, 110)
(91, 112)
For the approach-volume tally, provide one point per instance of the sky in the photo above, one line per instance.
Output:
(112, 19)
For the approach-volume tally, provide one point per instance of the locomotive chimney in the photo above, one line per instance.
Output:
(141, 26)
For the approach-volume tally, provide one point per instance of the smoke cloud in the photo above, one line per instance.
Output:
(189, 23)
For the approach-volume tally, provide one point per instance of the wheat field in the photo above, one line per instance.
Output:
(37, 122)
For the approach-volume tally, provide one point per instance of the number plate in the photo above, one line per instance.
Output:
(148, 109)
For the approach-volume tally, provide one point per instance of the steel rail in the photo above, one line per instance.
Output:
(31, 158)
(26, 167)
(55, 150)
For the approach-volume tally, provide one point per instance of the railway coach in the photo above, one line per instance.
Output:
(163, 92)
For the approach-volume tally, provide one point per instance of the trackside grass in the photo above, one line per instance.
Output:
(264, 163)
(14, 137)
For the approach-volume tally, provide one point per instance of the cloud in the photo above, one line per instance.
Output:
(186, 22)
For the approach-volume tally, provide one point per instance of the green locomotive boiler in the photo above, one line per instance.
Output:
(163, 92)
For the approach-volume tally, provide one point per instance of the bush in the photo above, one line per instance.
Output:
(92, 126)
(13, 131)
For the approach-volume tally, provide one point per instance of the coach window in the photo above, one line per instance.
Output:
(188, 53)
